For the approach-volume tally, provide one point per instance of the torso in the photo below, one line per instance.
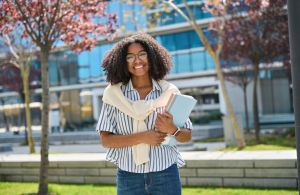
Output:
(143, 92)
(113, 120)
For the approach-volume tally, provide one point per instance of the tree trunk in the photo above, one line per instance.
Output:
(5, 118)
(43, 182)
(246, 108)
(255, 105)
(62, 117)
(236, 129)
(23, 113)
(25, 75)
(215, 55)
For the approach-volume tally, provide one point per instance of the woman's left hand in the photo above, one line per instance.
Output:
(164, 123)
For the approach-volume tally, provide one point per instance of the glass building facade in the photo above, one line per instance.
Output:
(79, 107)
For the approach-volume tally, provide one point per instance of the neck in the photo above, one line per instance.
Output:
(141, 82)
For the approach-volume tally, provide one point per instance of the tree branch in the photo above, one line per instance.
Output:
(9, 44)
(52, 20)
(198, 29)
(27, 24)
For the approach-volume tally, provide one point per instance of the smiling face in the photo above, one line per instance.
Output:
(137, 60)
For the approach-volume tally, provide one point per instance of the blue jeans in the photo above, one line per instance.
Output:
(166, 182)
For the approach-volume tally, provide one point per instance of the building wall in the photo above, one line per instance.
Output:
(67, 69)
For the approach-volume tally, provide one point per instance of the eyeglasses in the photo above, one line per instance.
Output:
(130, 58)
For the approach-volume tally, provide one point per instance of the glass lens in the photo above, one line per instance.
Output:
(143, 55)
(130, 58)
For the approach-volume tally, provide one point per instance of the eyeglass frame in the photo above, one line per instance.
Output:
(135, 56)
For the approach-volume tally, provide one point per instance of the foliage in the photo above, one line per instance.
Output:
(256, 36)
(213, 48)
(76, 23)
(207, 117)
(259, 35)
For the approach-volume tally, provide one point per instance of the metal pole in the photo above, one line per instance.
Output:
(294, 36)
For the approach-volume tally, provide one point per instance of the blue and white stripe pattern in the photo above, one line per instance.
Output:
(115, 121)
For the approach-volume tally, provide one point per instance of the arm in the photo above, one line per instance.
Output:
(184, 135)
(110, 140)
(164, 123)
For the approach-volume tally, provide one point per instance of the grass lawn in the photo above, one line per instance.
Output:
(268, 142)
(15, 188)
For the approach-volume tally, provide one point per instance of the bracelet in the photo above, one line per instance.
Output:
(176, 132)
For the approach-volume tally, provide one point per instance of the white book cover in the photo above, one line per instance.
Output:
(180, 106)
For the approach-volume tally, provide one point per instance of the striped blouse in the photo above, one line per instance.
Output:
(113, 120)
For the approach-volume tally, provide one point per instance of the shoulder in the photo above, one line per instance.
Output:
(110, 88)
(165, 85)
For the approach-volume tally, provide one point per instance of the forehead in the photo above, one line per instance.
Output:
(135, 48)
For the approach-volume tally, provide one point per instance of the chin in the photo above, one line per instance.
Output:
(139, 72)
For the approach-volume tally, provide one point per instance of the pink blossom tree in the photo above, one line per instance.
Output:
(76, 23)
(213, 44)
(258, 35)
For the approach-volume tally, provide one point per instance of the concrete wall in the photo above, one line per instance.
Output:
(278, 173)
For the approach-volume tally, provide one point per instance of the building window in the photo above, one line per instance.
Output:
(198, 61)
(209, 62)
(183, 63)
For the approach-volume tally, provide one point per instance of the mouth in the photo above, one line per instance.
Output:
(138, 67)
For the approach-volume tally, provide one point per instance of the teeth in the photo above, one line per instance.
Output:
(136, 67)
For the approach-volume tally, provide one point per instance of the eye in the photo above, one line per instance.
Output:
(143, 54)
(129, 57)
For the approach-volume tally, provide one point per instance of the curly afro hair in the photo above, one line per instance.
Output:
(115, 64)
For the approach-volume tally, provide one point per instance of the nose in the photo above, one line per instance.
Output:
(137, 59)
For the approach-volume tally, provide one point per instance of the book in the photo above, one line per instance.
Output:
(180, 106)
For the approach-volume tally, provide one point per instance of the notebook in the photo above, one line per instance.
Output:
(180, 106)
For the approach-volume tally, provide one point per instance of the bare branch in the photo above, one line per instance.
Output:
(9, 44)
(30, 31)
(199, 30)
(52, 20)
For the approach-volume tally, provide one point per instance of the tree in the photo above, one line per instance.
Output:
(241, 76)
(77, 23)
(22, 60)
(219, 9)
(260, 35)
(12, 71)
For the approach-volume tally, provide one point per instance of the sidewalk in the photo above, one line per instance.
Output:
(98, 148)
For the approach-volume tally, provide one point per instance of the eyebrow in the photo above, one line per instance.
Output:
(137, 52)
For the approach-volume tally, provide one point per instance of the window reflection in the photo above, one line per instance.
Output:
(183, 63)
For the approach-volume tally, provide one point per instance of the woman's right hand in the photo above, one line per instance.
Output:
(153, 137)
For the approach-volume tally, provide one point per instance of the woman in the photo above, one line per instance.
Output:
(133, 123)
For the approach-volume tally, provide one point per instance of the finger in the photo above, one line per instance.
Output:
(159, 122)
(168, 115)
(161, 117)
(157, 125)
(162, 134)
(158, 119)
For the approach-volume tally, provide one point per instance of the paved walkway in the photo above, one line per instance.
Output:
(97, 148)
(95, 151)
